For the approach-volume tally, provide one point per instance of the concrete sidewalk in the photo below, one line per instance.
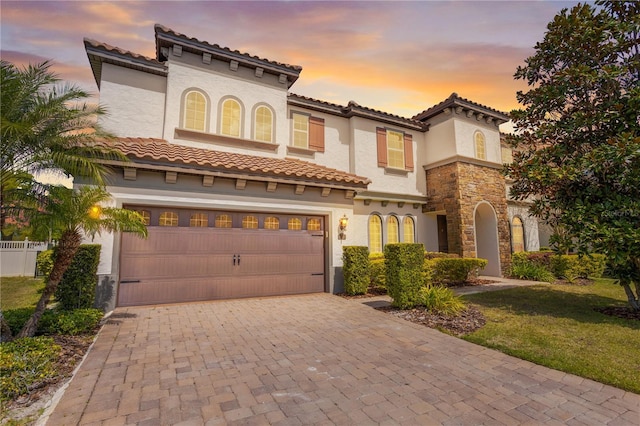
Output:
(315, 359)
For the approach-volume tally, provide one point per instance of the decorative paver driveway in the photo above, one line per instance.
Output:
(316, 359)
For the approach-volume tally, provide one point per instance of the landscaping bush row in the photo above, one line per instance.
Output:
(547, 266)
(53, 321)
(437, 268)
(411, 276)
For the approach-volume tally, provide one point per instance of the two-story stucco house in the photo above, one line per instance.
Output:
(251, 190)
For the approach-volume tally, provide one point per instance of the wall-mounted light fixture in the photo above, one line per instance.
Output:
(342, 227)
(95, 212)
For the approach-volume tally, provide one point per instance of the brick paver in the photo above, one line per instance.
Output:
(314, 359)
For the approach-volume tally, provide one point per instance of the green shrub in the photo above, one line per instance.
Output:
(377, 274)
(404, 264)
(56, 322)
(573, 266)
(71, 323)
(452, 270)
(540, 258)
(530, 271)
(24, 363)
(78, 286)
(428, 271)
(44, 262)
(355, 260)
(440, 299)
(439, 255)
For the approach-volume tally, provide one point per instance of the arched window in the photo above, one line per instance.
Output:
(223, 221)
(271, 223)
(146, 215)
(200, 220)
(481, 149)
(392, 230)
(517, 235)
(250, 222)
(294, 224)
(195, 109)
(168, 219)
(375, 234)
(263, 124)
(313, 225)
(231, 118)
(409, 229)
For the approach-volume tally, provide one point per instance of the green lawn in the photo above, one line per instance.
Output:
(20, 292)
(556, 326)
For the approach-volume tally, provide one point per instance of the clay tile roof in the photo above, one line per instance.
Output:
(161, 151)
(162, 30)
(455, 100)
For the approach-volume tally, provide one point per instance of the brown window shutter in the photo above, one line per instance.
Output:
(316, 134)
(381, 135)
(408, 152)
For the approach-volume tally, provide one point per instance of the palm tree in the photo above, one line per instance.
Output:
(44, 126)
(78, 212)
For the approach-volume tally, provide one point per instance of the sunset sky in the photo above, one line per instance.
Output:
(398, 57)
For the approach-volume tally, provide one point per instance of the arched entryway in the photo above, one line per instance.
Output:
(486, 230)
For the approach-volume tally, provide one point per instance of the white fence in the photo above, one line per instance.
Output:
(19, 257)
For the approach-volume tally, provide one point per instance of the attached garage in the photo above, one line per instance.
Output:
(194, 255)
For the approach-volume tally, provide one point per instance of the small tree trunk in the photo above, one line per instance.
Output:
(5, 330)
(67, 249)
(634, 300)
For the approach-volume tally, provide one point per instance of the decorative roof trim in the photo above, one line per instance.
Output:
(98, 53)
(454, 101)
(355, 110)
(166, 37)
(159, 154)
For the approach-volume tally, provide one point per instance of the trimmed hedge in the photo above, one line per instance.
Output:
(355, 260)
(452, 270)
(573, 266)
(77, 290)
(377, 273)
(439, 255)
(404, 264)
(53, 321)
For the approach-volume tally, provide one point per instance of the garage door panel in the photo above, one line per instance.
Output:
(189, 289)
(181, 264)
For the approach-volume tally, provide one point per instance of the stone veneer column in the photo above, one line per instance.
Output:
(457, 188)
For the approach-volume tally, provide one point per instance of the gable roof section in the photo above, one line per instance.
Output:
(166, 37)
(286, 170)
(99, 53)
(456, 102)
(355, 110)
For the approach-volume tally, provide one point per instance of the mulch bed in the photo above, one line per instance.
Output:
(620, 312)
(470, 320)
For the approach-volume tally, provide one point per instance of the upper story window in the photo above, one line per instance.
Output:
(409, 229)
(395, 149)
(307, 132)
(195, 111)
(480, 145)
(263, 124)
(231, 118)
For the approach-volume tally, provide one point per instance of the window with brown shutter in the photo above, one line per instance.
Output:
(316, 134)
(398, 144)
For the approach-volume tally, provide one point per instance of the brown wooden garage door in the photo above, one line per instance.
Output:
(182, 262)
